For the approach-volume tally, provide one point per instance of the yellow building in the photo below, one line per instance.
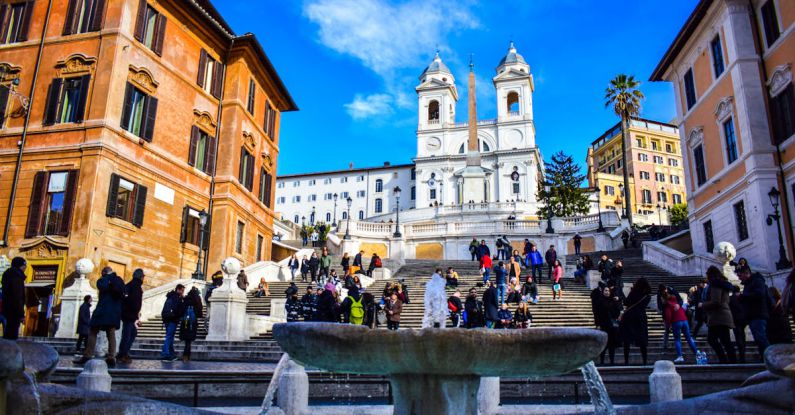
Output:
(654, 160)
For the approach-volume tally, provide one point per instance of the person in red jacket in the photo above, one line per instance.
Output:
(485, 267)
(676, 318)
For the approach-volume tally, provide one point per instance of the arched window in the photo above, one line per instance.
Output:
(379, 205)
(413, 192)
(295, 219)
(344, 215)
(482, 145)
(328, 216)
(379, 186)
(433, 111)
(513, 103)
(361, 215)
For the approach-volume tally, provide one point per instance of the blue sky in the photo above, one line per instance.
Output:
(352, 65)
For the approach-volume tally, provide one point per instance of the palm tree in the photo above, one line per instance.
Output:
(623, 94)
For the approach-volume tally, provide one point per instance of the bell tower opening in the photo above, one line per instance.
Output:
(433, 111)
(513, 103)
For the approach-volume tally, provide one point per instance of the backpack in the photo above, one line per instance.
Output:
(188, 322)
(169, 311)
(499, 243)
(378, 262)
(451, 307)
(357, 311)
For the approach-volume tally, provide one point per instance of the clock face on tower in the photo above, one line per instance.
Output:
(433, 144)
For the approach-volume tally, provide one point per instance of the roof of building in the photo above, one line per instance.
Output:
(436, 66)
(512, 57)
(682, 37)
(386, 166)
(615, 129)
(251, 40)
(210, 13)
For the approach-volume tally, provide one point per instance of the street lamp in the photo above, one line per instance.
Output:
(547, 190)
(774, 196)
(199, 275)
(335, 210)
(624, 207)
(601, 227)
(397, 212)
(349, 201)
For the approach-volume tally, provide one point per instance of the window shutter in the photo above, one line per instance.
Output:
(4, 92)
(140, 22)
(194, 141)
(3, 10)
(37, 198)
(98, 17)
(80, 109)
(126, 107)
(268, 189)
(71, 19)
(51, 108)
(217, 80)
(149, 122)
(250, 176)
(202, 68)
(160, 33)
(24, 26)
(113, 194)
(140, 205)
(261, 195)
(212, 144)
(68, 202)
(183, 233)
(240, 172)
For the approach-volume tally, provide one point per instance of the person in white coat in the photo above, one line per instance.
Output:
(435, 301)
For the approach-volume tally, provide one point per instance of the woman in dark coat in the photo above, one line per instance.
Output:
(607, 308)
(719, 315)
(14, 297)
(490, 306)
(189, 323)
(327, 306)
(633, 325)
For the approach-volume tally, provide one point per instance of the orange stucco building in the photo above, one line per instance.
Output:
(731, 67)
(122, 120)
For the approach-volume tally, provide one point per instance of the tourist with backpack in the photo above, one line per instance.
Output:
(107, 316)
(375, 262)
(130, 313)
(455, 307)
(173, 310)
(353, 307)
(192, 304)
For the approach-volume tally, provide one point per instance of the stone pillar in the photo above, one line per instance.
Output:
(292, 395)
(72, 299)
(489, 395)
(664, 383)
(94, 376)
(228, 307)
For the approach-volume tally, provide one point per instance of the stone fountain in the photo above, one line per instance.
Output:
(438, 371)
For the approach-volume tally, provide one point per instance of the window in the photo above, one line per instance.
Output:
(296, 219)
(646, 194)
(513, 103)
(717, 56)
(343, 180)
(139, 113)
(770, 22)
(361, 215)
(432, 194)
(483, 147)
(280, 200)
(260, 241)
(731, 141)
(51, 203)
(126, 200)
(658, 160)
(360, 193)
(690, 89)
(413, 174)
(644, 175)
(252, 93)
(66, 100)
(15, 22)
(639, 142)
(643, 157)
(265, 187)
(210, 74)
(280, 185)
(344, 215)
(328, 217)
(359, 178)
(701, 168)
(740, 221)
(669, 148)
(191, 226)
(270, 120)
(677, 198)
(674, 179)
(611, 169)
(296, 183)
(433, 111)
(327, 180)
(327, 196)
(673, 162)
(241, 228)
(662, 197)
(379, 205)
(516, 188)
(201, 153)
(655, 146)
(246, 171)
(413, 192)
(610, 190)
(297, 198)
(84, 16)
(150, 28)
(344, 195)
(708, 238)
(379, 186)
(782, 108)
(618, 164)
(660, 177)
(311, 182)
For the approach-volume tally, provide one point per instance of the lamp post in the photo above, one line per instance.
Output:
(623, 207)
(397, 233)
(335, 211)
(601, 227)
(774, 196)
(547, 190)
(199, 275)
(349, 201)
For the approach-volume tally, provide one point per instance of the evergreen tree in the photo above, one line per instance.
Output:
(566, 197)
(678, 214)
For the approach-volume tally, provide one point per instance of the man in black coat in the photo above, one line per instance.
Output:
(756, 303)
(14, 297)
(83, 323)
(490, 306)
(130, 312)
(107, 316)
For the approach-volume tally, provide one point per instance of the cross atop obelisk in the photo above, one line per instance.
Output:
(473, 154)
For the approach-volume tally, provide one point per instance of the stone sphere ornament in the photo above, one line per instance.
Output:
(84, 266)
(230, 266)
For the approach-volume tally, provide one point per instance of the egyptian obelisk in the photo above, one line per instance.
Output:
(474, 175)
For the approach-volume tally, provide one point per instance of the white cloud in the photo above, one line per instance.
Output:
(392, 40)
(369, 106)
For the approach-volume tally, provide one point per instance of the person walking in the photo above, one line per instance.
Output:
(500, 250)
(696, 301)
(617, 278)
(315, 239)
(294, 264)
(314, 265)
(740, 323)
(625, 239)
(756, 302)
(83, 323)
(304, 236)
(304, 268)
(676, 318)
(325, 262)
(550, 256)
(485, 268)
(353, 307)
(14, 297)
(483, 249)
(473, 249)
(130, 314)
(473, 310)
(173, 310)
(536, 261)
(577, 243)
(606, 311)
(393, 309)
(491, 306)
(633, 323)
(345, 263)
(719, 316)
(107, 316)
(557, 281)
(514, 267)
(188, 326)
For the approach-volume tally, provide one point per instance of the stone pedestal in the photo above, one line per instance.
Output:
(664, 383)
(592, 279)
(489, 395)
(94, 376)
(417, 394)
(228, 307)
(277, 308)
(72, 299)
(292, 396)
(474, 188)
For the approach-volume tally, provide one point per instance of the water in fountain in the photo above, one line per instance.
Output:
(34, 386)
(596, 388)
(267, 401)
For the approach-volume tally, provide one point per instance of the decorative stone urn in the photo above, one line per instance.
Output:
(72, 299)
(725, 253)
(227, 306)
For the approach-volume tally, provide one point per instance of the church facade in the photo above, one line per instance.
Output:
(498, 158)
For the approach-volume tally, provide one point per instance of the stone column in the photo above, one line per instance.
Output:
(94, 376)
(72, 299)
(664, 383)
(292, 394)
(228, 307)
(489, 395)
